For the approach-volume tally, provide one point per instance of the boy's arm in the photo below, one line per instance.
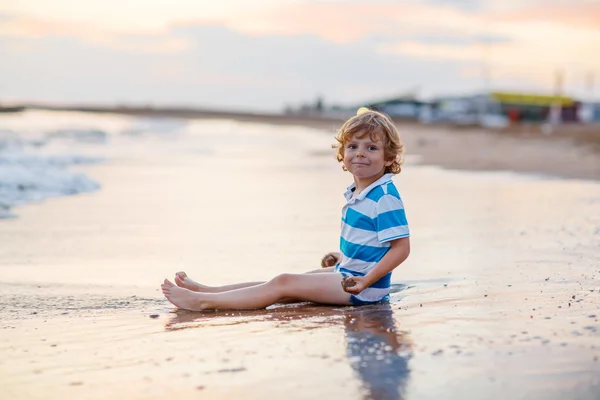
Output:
(399, 251)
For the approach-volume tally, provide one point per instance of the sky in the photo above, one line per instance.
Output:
(266, 54)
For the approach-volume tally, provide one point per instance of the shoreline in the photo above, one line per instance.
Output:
(572, 151)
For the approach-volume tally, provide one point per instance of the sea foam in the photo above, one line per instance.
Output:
(31, 171)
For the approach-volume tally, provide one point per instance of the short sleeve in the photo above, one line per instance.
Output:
(391, 218)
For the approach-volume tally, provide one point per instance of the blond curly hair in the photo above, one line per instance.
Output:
(378, 126)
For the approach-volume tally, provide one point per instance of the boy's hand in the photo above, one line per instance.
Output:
(330, 260)
(354, 284)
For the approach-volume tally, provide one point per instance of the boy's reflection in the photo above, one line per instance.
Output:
(377, 351)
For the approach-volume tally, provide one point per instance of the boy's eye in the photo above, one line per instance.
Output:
(372, 148)
(351, 146)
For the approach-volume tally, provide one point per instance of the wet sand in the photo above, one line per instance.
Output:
(500, 297)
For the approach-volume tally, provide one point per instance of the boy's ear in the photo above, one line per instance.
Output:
(388, 163)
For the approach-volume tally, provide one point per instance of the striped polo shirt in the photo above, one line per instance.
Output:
(370, 221)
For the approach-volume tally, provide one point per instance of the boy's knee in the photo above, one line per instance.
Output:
(283, 280)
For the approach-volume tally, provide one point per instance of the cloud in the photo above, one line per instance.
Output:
(220, 67)
(354, 21)
(466, 5)
(574, 14)
(329, 21)
(37, 27)
(458, 40)
(472, 52)
(139, 42)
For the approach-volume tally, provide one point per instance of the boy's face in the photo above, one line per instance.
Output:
(364, 157)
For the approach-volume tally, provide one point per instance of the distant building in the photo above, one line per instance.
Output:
(589, 112)
(535, 108)
(493, 109)
(401, 107)
(502, 108)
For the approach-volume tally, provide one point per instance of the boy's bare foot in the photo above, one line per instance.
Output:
(181, 297)
(182, 280)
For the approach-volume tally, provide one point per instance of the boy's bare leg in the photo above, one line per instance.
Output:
(321, 270)
(184, 281)
(322, 288)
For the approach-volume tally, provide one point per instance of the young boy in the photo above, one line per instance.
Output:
(374, 239)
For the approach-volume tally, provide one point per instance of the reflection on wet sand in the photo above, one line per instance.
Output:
(376, 350)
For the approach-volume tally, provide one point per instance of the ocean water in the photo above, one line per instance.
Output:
(38, 150)
(500, 297)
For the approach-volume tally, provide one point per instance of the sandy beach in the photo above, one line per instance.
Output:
(499, 299)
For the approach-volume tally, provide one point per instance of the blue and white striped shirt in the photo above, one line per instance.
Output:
(370, 221)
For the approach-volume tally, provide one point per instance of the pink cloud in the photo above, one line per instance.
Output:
(580, 15)
(31, 27)
(40, 27)
(331, 21)
(144, 41)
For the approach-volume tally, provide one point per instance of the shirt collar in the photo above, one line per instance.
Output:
(384, 179)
